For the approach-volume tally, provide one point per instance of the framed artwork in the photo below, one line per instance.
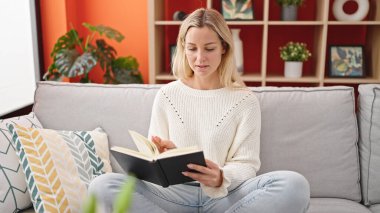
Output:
(346, 61)
(237, 10)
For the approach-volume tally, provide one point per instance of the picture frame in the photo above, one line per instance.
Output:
(346, 61)
(237, 10)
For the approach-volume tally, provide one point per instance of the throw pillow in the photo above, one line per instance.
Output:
(14, 195)
(59, 165)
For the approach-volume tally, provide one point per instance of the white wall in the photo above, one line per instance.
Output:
(19, 67)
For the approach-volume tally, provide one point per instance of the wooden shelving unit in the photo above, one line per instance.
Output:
(316, 27)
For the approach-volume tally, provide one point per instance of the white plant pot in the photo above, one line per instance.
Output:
(293, 69)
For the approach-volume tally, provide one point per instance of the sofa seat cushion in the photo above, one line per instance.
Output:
(369, 143)
(59, 165)
(335, 205)
(14, 194)
(375, 208)
(312, 131)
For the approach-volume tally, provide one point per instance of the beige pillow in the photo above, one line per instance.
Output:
(59, 165)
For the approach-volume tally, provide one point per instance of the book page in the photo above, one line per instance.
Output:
(132, 153)
(144, 145)
(178, 151)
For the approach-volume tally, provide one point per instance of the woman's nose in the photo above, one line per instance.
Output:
(201, 55)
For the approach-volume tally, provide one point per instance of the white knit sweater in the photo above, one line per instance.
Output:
(224, 123)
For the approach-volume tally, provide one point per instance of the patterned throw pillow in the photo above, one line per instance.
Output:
(14, 195)
(59, 165)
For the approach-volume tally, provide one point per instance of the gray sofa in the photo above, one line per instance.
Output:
(314, 131)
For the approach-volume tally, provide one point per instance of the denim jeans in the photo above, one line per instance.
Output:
(273, 192)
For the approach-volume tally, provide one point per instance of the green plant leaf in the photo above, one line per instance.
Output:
(90, 204)
(124, 198)
(67, 41)
(108, 31)
(125, 70)
(290, 2)
(70, 64)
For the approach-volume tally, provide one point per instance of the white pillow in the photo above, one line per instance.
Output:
(14, 195)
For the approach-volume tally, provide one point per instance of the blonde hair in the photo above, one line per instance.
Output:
(212, 19)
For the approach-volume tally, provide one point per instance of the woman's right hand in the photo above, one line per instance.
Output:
(162, 145)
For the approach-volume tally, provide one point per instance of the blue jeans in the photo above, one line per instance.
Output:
(273, 192)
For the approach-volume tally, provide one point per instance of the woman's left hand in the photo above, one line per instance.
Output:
(210, 176)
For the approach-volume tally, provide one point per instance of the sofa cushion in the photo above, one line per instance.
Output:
(375, 208)
(14, 195)
(115, 108)
(312, 131)
(59, 165)
(369, 143)
(329, 205)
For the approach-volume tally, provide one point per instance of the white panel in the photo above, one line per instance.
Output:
(18, 54)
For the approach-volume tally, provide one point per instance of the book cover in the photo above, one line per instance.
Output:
(147, 164)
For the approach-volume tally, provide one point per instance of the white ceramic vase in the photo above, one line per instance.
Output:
(238, 44)
(293, 69)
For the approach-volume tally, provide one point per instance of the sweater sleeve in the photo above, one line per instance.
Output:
(243, 157)
(159, 120)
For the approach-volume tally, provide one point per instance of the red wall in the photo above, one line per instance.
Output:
(127, 16)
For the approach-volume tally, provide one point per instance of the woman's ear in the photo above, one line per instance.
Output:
(224, 46)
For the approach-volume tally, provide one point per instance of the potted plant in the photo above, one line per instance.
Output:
(74, 56)
(294, 54)
(289, 9)
(122, 202)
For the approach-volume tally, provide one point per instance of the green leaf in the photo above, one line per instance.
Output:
(67, 41)
(70, 64)
(124, 198)
(90, 205)
(108, 31)
(125, 70)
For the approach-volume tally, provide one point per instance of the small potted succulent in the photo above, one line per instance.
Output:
(294, 54)
(289, 9)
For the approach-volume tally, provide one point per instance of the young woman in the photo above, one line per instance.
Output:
(209, 106)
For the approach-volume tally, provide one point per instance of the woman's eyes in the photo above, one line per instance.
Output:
(207, 49)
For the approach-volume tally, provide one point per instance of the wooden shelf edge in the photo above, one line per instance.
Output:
(168, 77)
(282, 79)
(353, 22)
(351, 81)
(308, 23)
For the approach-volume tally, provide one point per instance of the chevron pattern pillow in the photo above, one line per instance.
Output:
(59, 165)
(14, 195)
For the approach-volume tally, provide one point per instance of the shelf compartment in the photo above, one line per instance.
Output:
(351, 6)
(257, 6)
(278, 36)
(252, 37)
(366, 36)
(311, 10)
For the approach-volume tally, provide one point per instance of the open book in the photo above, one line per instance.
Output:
(148, 164)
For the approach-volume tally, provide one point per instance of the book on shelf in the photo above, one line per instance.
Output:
(149, 164)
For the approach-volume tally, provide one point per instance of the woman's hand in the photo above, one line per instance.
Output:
(162, 145)
(210, 176)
